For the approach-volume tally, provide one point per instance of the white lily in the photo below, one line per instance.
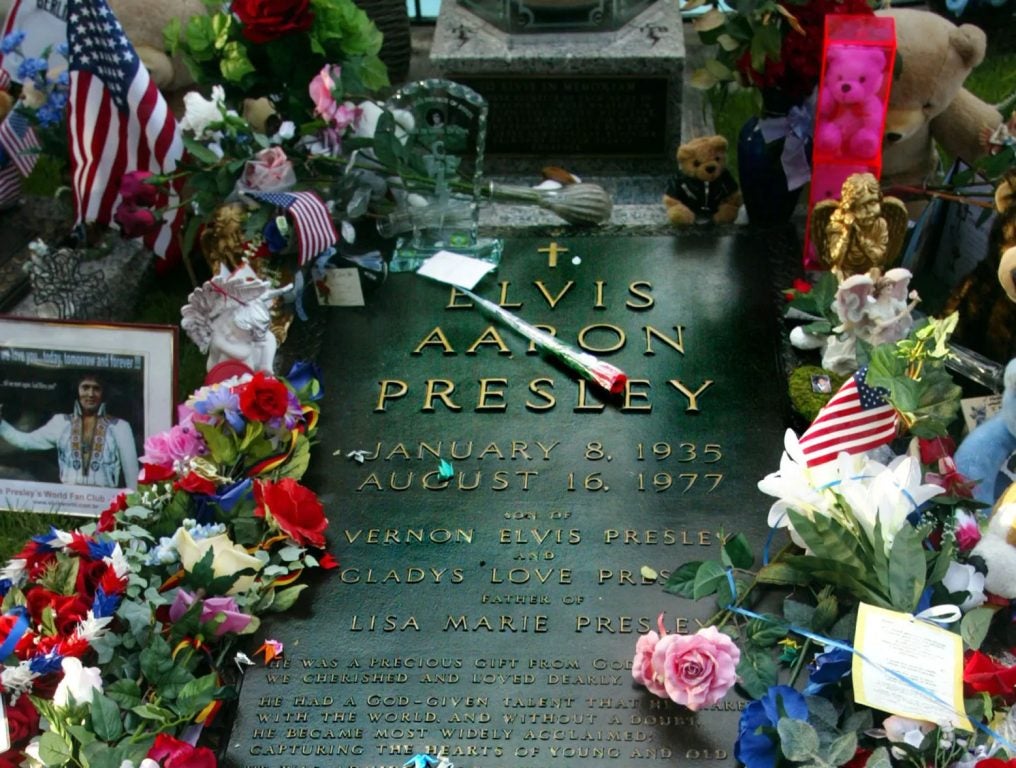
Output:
(200, 112)
(888, 495)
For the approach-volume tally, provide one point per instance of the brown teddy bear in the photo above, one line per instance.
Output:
(927, 102)
(703, 187)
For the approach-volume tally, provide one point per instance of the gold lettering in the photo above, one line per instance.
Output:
(647, 297)
(582, 405)
(435, 337)
(503, 302)
(553, 300)
(599, 295)
(444, 395)
(486, 393)
(385, 395)
(549, 400)
(630, 394)
(692, 396)
(453, 304)
(676, 343)
(490, 336)
(621, 338)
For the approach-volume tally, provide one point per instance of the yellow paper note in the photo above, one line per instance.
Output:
(928, 656)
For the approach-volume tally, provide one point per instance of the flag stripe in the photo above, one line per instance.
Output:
(10, 184)
(17, 137)
(118, 122)
(314, 228)
(856, 419)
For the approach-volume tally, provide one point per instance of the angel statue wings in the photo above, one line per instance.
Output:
(229, 318)
(860, 233)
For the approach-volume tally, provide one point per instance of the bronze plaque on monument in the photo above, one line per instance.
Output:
(492, 514)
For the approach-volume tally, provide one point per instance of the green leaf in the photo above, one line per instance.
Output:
(907, 569)
(160, 715)
(782, 574)
(53, 750)
(842, 749)
(756, 671)
(879, 759)
(766, 632)
(286, 598)
(736, 553)
(797, 613)
(373, 73)
(826, 538)
(708, 578)
(682, 581)
(61, 576)
(222, 447)
(205, 155)
(826, 613)
(162, 671)
(798, 739)
(297, 463)
(196, 695)
(125, 692)
(234, 64)
(387, 147)
(171, 35)
(106, 720)
(974, 626)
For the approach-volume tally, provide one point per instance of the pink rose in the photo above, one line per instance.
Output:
(136, 188)
(698, 669)
(642, 669)
(134, 221)
(179, 443)
(269, 171)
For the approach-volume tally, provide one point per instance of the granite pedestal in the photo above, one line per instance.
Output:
(606, 95)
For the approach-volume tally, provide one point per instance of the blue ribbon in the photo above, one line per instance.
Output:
(796, 129)
(16, 633)
(843, 646)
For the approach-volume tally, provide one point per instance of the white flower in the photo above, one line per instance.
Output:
(201, 113)
(91, 628)
(965, 578)
(79, 682)
(366, 126)
(227, 557)
(287, 130)
(888, 495)
(32, 757)
(14, 571)
(906, 731)
(17, 680)
(119, 562)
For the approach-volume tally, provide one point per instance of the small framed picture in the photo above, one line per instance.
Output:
(821, 384)
(77, 401)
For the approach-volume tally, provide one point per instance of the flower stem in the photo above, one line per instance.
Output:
(799, 662)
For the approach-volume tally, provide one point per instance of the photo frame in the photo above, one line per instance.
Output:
(77, 401)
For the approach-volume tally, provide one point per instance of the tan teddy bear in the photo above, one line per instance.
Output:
(703, 187)
(144, 21)
(927, 100)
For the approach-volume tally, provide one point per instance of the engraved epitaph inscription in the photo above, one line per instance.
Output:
(487, 608)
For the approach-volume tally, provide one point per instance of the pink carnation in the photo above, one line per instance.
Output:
(177, 444)
(698, 669)
(968, 533)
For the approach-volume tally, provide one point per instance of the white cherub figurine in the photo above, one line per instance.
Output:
(229, 318)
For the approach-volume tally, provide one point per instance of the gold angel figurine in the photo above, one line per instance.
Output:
(863, 232)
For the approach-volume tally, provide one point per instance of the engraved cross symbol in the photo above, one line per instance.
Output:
(552, 251)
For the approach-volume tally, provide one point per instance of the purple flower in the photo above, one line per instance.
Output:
(221, 401)
(211, 607)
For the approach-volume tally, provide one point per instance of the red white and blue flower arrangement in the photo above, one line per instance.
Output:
(896, 529)
(119, 639)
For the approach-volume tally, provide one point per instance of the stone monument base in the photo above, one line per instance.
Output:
(566, 95)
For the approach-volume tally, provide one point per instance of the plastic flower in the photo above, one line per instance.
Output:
(11, 41)
(827, 669)
(264, 398)
(174, 447)
(234, 620)
(79, 682)
(982, 674)
(169, 752)
(967, 531)
(642, 671)
(698, 669)
(962, 577)
(322, 89)
(292, 509)
(755, 746)
(136, 188)
(228, 558)
(215, 401)
(200, 113)
(134, 221)
(904, 730)
(889, 497)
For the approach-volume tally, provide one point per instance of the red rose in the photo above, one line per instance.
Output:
(982, 674)
(265, 20)
(995, 762)
(135, 188)
(107, 520)
(294, 509)
(68, 610)
(22, 721)
(263, 398)
(935, 448)
(134, 221)
(173, 753)
(153, 473)
(194, 483)
(89, 575)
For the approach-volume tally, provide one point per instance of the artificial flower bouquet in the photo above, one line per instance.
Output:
(894, 531)
(120, 638)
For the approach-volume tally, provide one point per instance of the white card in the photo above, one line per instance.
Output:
(455, 269)
(929, 657)
(340, 287)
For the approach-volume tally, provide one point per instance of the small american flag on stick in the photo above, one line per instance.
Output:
(117, 121)
(858, 418)
(314, 227)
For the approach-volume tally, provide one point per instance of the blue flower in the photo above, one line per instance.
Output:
(230, 495)
(64, 80)
(63, 49)
(47, 115)
(29, 69)
(11, 41)
(222, 400)
(757, 743)
(276, 241)
(827, 669)
(302, 374)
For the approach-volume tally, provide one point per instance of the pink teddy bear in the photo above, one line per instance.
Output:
(850, 104)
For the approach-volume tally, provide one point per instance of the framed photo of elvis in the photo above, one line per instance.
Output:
(77, 400)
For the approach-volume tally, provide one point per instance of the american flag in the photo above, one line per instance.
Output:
(117, 121)
(17, 137)
(10, 181)
(314, 227)
(856, 419)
